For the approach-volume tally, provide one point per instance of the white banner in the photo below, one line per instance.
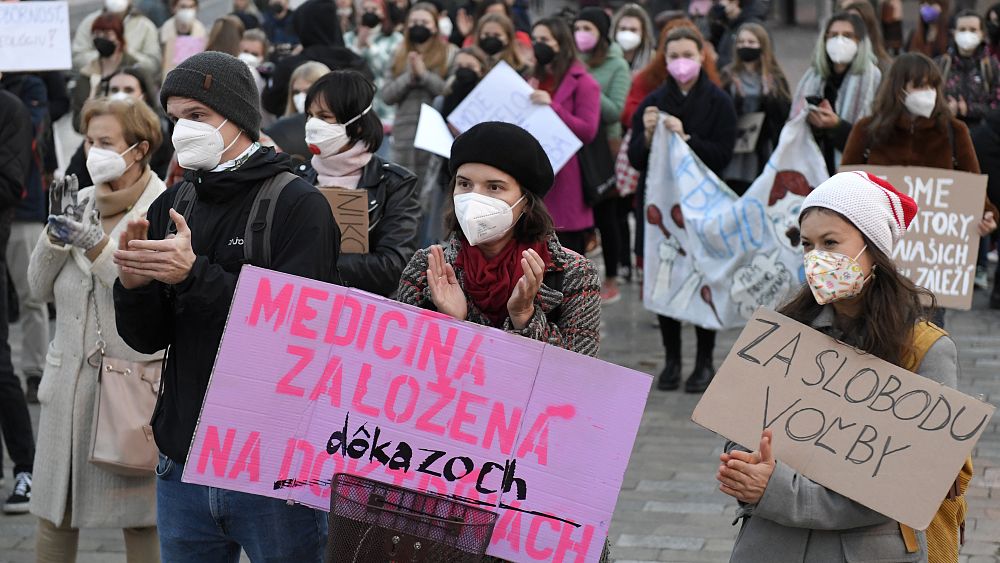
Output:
(712, 257)
(34, 36)
(502, 95)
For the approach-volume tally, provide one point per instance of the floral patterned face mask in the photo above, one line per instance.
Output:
(832, 276)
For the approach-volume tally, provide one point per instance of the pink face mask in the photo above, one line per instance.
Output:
(833, 276)
(683, 70)
(585, 40)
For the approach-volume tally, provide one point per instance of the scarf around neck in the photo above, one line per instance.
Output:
(112, 204)
(490, 281)
(342, 170)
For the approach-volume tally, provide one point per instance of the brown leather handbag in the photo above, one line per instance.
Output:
(121, 438)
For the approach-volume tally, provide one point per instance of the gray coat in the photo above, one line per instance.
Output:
(100, 498)
(800, 520)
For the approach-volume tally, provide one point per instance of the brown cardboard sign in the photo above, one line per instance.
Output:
(939, 250)
(350, 209)
(885, 437)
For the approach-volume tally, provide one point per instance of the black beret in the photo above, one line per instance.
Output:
(508, 148)
(599, 18)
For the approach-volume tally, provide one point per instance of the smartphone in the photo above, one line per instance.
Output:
(813, 102)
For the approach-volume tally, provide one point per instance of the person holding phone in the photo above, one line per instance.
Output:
(840, 85)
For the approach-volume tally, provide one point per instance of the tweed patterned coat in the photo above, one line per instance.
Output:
(579, 319)
(100, 498)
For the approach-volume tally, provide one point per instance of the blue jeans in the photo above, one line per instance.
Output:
(200, 524)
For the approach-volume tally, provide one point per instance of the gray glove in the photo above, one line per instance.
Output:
(86, 235)
(63, 198)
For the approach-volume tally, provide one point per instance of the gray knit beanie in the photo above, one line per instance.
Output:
(221, 82)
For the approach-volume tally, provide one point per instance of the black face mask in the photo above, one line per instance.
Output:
(370, 19)
(544, 54)
(748, 54)
(418, 34)
(466, 76)
(491, 45)
(105, 47)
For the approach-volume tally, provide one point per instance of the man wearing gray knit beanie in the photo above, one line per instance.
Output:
(177, 272)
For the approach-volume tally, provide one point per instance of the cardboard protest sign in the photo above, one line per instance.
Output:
(34, 36)
(186, 46)
(940, 248)
(713, 258)
(884, 437)
(748, 131)
(350, 209)
(313, 379)
(502, 95)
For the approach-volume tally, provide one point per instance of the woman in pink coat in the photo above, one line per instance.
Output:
(563, 83)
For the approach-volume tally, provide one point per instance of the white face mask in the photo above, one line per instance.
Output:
(967, 40)
(921, 102)
(106, 166)
(116, 6)
(327, 139)
(483, 218)
(251, 60)
(841, 50)
(628, 39)
(444, 27)
(186, 15)
(299, 101)
(119, 97)
(199, 146)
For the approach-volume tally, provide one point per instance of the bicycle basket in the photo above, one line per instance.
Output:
(373, 522)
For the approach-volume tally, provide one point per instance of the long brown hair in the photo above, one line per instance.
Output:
(509, 53)
(918, 41)
(773, 78)
(225, 36)
(655, 73)
(559, 66)
(874, 28)
(888, 106)
(891, 305)
(436, 55)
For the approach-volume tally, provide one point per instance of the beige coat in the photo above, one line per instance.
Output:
(100, 499)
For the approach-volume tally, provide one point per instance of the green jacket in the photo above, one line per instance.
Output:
(615, 78)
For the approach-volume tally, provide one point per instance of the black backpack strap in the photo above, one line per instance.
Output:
(257, 237)
(183, 204)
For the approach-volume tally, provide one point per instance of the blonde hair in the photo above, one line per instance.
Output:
(138, 121)
(436, 56)
(310, 72)
(509, 53)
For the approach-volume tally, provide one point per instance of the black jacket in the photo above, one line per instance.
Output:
(393, 215)
(190, 317)
(986, 139)
(15, 148)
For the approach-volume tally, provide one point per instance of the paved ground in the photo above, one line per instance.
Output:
(669, 508)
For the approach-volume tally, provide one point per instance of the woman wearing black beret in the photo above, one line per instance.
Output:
(502, 264)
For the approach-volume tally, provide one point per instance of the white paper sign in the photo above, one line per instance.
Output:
(502, 95)
(433, 134)
(34, 36)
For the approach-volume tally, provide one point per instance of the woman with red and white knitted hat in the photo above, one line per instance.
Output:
(854, 293)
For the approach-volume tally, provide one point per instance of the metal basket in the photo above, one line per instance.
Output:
(373, 522)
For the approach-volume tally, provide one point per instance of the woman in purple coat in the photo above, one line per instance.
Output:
(563, 83)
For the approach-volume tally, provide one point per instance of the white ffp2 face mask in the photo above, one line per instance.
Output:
(326, 139)
(921, 102)
(841, 50)
(299, 102)
(199, 146)
(483, 218)
(628, 39)
(105, 165)
(968, 40)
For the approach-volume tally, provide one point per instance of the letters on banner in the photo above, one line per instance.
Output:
(849, 421)
(314, 379)
(34, 36)
(713, 258)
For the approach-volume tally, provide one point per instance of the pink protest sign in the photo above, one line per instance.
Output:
(314, 379)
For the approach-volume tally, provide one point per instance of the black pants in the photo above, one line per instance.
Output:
(670, 332)
(626, 205)
(15, 422)
(574, 240)
(606, 220)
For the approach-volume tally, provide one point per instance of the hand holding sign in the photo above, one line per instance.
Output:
(447, 295)
(744, 476)
(987, 225)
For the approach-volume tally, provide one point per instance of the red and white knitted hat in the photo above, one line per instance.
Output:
(873, 205)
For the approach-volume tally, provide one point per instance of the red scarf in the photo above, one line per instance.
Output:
(490, 281)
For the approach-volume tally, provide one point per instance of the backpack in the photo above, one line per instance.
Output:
(257, 237)
(946, 532)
